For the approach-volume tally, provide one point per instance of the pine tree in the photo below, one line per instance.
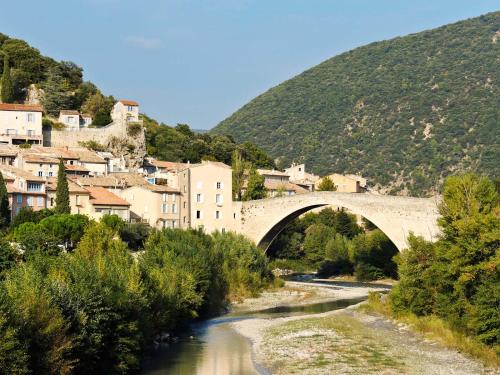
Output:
(4, 203)
(7, 92)
(62, 191)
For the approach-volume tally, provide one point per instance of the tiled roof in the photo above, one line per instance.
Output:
(167, 164)
(101, 196)
(159, 188)
(272, 172)
(73, 188)
(113, 180)
(9, 169)
(36, 158)
(20, 107)
(76, 168)
(7, 150)
(69, 112)
(205, 163)
(128, 102)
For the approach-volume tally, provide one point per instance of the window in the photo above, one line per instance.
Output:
(199, 214)
(300, 169)
(184, 205)
(40, 202)
(30, 201)
(217, 215)
(40, 174)
(130, 108)
(51, 202)
(219, 185)
(30, 117)
(164, 208)
(50, 174)
(174, 208)
(165, 196)
(219, 198)
(184, 219)
(223, 230)
(185, 188)
(234, 215)
(34, 186)
(199, 198)
(174, 223)
(19, 198)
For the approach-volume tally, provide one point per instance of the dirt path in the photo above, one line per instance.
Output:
(344, 341)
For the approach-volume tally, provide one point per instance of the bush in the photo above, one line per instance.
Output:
(134, 129)
(367, 272)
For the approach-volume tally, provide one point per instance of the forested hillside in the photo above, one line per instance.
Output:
(404, 112)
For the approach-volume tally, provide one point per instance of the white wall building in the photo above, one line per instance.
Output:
(125, 111)
(20, 123)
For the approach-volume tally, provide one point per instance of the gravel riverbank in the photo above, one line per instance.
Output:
(342, 341)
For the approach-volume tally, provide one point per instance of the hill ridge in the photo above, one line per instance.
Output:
(405, 112)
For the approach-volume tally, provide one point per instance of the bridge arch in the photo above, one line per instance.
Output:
(263, 220)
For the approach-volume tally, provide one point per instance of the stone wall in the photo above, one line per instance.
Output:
(113, 136)
(71, 138)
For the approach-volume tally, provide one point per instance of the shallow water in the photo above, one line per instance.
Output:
(213, 347)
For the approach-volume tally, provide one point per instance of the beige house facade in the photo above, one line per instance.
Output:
(125, 111)
(347, 183)
(20, 123)
(206, 197)
(156, 205)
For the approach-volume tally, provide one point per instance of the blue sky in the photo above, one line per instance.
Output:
(198, 61)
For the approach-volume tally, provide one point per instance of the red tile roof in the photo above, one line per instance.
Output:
(103, 197)
(128, 102)
(69, 112)
(20, 107)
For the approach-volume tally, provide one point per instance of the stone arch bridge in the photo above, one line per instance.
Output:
(262, 220)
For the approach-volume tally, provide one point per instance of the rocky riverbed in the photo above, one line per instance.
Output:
(345, 341)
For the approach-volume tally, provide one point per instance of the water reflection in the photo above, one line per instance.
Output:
(213, 347)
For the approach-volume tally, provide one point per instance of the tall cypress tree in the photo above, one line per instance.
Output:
(4, 203)
(7, 92)
(62, 191)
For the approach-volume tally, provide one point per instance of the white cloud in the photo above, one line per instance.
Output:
(144, 42)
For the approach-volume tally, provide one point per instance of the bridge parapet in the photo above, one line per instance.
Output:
(262, 220)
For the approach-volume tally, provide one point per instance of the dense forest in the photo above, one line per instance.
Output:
(403, 112)
(60, 85)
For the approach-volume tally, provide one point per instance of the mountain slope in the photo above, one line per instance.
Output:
(404, 112)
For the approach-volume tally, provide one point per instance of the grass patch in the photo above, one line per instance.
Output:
(436, 329)
(331, 343)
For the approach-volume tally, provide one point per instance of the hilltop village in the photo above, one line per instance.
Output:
(103, 179)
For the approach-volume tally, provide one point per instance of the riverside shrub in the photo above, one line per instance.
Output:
(457, 278)
(96, 309)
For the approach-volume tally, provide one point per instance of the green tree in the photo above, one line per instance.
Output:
(326, 184)
(4, 203)
(7, 93)
(255, 186)
(8, 257)
(62, 191)
(317, 236)
(238, 166)
(57, 94)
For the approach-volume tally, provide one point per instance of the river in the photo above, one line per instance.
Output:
(214, 347)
